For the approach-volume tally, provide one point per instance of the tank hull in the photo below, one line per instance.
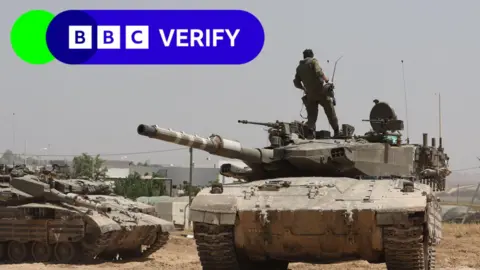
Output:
(319, 220)
(140, 236)
(53, 232)
(141, 233)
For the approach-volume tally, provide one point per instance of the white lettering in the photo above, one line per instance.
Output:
(232, 37)
(216, 36)
(207, 38)
(198, 37)
(167, 41)
(182, 35)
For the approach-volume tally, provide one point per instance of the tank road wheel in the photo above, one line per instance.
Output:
(216, 249)
(65, 252)
(17, 252)
(41, 252)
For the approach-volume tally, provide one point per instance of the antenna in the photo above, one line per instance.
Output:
(406, 103)
(13, 137)
(334, 67)
(440, 141)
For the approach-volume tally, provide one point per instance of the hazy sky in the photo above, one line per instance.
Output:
(96, 109)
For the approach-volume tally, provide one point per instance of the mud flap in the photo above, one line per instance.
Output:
(214, 209)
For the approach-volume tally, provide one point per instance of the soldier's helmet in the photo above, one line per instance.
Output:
(307, 53)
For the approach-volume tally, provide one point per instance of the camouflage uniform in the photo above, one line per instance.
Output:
(311, 75)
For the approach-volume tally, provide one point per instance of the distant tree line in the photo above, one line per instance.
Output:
(89, 166)
(135, 186)
(9, 158)
(94, 168)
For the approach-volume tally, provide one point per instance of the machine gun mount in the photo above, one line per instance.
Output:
(385, 125)
(281, 133)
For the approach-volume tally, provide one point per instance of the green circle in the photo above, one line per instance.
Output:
(29, 37)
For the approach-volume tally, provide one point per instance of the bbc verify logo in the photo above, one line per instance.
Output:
(155, 37)
(108, 37)
(137, 37)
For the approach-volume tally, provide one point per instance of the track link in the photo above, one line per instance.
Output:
(215, 246)
(404, 248)
(216, 249)
(413, 248)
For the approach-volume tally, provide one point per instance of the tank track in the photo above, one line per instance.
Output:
(406, 247)
(215, 246)
(134, 254)
(100, 245)
(216, 249)
(162, 239)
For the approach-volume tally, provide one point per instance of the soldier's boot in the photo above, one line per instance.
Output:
(336, 132)
(311, 135)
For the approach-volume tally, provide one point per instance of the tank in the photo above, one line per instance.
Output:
(59, 179)
(43, 223)
(461, 214)
(126, 241)
(320, 201)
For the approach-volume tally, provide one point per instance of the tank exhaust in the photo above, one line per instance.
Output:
(425, 139)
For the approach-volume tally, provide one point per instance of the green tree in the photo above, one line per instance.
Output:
(88, 166)
(8, 157)
(193, 190)
(134, 186)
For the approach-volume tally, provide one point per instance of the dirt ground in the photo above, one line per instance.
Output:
(458, 250)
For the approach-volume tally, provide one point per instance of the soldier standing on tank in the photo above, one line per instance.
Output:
(310, 78)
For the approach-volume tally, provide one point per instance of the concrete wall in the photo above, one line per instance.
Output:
(201, 176)
(118, 172)
(175, 210)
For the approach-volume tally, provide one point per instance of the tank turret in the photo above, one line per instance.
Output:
(42, 192)
(378, 153)
(82, 186)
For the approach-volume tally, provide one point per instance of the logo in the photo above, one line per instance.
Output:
(138, 37)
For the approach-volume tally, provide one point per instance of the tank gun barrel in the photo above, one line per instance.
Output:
(267, 124)
(76, 199)
(214, 144)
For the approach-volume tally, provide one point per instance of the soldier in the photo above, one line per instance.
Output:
(313, 78)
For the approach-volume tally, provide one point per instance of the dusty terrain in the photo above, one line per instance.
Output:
(459, 250)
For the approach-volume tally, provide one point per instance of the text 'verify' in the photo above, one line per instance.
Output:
(155, 37)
